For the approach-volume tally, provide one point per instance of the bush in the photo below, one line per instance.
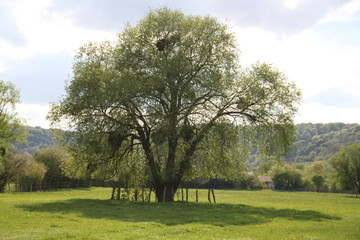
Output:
(286, 177)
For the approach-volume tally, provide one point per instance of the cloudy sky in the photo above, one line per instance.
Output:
(316, 43)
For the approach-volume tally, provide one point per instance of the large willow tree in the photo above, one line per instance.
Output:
(164, 85)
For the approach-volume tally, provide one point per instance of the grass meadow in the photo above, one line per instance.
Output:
(89, 214)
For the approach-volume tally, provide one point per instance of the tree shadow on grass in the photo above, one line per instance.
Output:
(175, 213)
(353, 196)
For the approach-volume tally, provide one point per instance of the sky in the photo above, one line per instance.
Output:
(316, 43)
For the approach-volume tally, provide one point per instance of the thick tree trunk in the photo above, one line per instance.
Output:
(118, 194)
(113, 193)
(2, 187)
(3, 182)
(166, 193)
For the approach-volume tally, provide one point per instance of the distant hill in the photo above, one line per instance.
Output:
(317, 142)
(38, 138)
(314, 142)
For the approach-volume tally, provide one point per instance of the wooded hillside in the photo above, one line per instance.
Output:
(37, 138)
(317, 142)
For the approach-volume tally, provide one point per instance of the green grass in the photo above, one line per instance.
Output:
(88, 214)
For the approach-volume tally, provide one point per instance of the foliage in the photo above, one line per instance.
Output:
(314, 174)
(52, 158)
(9, 167)
(346, 163)
(318, 181)
(249, 181)
(10, 129)
(165, 84)
(26, 169)
(222, 154)
(286, 177)
(96, 157)
(265, 166)
(315, 168)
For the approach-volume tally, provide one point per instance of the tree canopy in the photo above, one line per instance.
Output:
(11, 130)
(163, 87)
(346, 163)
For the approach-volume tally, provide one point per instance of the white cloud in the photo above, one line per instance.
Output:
(48, 32)
(345, 12)
(305, 59)
(316, 66)
(291, 4)
(33, 114)
(318, 113)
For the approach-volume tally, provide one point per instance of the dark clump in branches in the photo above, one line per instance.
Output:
(166, 43)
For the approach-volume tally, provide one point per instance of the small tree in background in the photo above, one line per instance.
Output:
(286, 177)
(27, 172)
(346, 164)
(52, 158)
(314, 175)
(318, 181)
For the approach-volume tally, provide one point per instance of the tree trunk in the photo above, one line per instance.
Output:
(165, 193)
(113, 193)
(197, 195)
(136, 194)
(118, 193)
(2, 187)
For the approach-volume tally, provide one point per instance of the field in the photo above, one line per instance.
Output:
(89, 214)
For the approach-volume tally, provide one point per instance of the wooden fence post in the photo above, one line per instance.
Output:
(213, 193)
(209, 196)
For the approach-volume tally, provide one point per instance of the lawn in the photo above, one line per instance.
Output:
(89, 214)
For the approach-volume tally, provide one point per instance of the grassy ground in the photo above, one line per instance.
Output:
(88, 214)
